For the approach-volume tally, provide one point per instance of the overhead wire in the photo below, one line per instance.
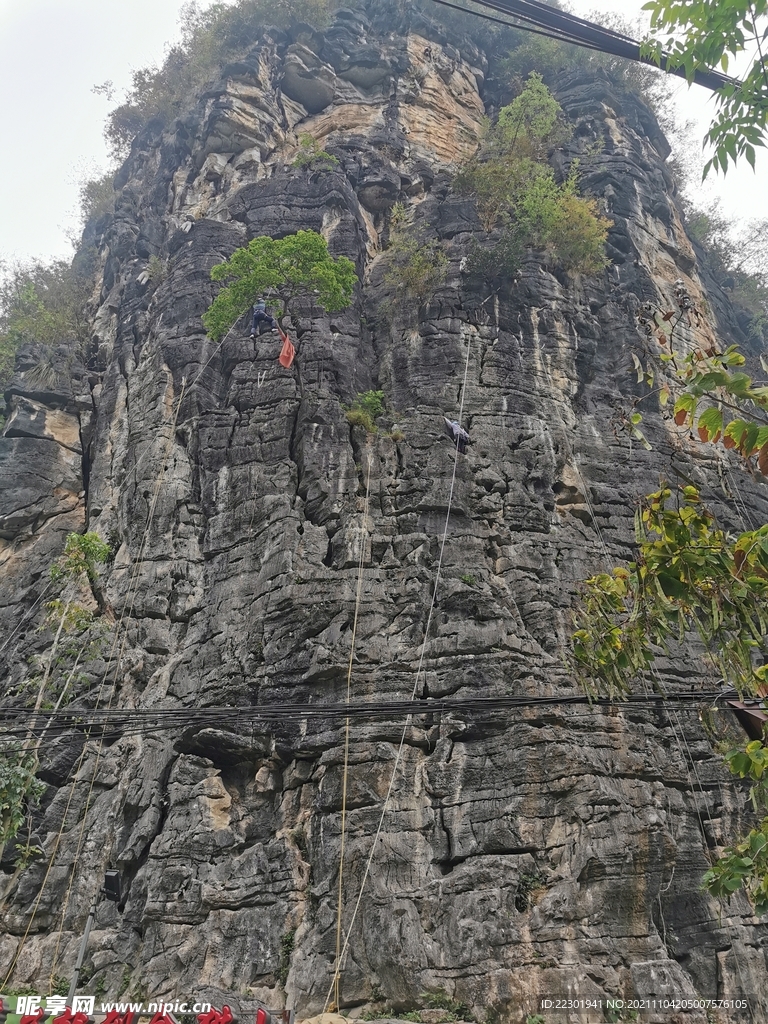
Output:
(122, 721)
(569, 28)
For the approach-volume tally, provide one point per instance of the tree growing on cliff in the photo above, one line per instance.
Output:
(702, 34)
(40, 302)
(210, 38)
(514, 188)
(297, 266)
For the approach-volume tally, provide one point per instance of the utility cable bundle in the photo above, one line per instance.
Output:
(541, 19)
(126, 721)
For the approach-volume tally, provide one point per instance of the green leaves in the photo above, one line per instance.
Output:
(297, 265)
(82, 553)
(701, 34)
(19, 789)
(688, 577)
(710, 425)
(513, 185)
(42, 303)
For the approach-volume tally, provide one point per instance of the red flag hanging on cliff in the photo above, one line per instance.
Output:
(287, 352)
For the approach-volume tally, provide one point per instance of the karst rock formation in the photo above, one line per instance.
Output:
(535, 850)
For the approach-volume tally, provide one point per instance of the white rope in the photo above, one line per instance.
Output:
(398, 757)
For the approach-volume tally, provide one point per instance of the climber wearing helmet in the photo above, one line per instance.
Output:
(458, 435)
(260, 316)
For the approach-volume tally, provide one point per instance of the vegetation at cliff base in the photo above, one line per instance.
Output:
(287, 268)
(515, 189)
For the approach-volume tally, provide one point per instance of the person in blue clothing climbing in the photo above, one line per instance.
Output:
(458, 435)
(261, 316)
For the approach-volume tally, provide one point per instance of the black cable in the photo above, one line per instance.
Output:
(144, 720)
(513, 25)
(580, 32)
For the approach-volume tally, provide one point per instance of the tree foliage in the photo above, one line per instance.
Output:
(515, 188)
(738, 260)
(312, 156)
(416, 265)
(41, 302)
(702, 34)
(690, 576)
(83, 552)
(19, 789)
(287, 268)
(212, 37)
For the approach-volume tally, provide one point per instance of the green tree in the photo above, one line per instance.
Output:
(702, 34)
(41, 302)
(312, 156)
(288, 268)
(739, 261)
(515, 188)
(19, 790)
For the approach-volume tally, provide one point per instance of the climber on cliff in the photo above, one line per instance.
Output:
(457, 434)
(261, 316)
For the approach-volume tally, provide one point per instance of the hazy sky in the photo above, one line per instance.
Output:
(52, 52)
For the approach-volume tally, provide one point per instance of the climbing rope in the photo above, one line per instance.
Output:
(129, 603)
(133, 589)
(361, 563)
(133, 586)
(398, 757)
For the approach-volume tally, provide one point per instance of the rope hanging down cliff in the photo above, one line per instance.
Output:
(361, 563)
(127, 608)
(334, 987)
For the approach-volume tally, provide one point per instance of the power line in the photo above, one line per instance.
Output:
(126, 721)
(571, 29)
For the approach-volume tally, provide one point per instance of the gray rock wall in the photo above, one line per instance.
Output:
(554, 850)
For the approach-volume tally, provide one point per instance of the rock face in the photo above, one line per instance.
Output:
(543, 851)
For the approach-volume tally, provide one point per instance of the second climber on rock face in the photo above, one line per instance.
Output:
(458, 435)
(261, 316)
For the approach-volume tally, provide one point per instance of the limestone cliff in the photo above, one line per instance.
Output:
(538, 851)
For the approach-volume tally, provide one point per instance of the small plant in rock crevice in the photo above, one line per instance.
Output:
(365, 410)
(416, 266)
(529, 887)
(310, 155)
(286, 948)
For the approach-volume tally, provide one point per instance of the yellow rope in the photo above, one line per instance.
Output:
(363, 535)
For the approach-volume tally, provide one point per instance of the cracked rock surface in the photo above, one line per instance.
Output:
(553, 850)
